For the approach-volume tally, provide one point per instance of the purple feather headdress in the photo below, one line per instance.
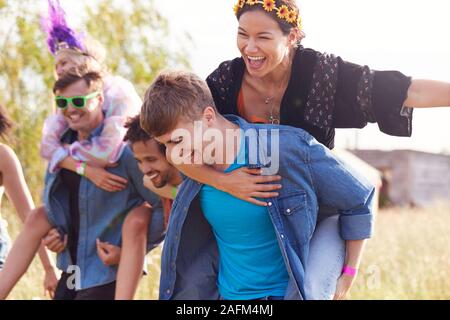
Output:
(59, 34)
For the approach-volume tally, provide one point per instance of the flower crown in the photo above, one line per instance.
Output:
(283, 12)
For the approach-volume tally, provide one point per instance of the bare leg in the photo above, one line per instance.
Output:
(23, 251)
(134, 247)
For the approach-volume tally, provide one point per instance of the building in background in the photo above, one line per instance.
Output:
(410, 178)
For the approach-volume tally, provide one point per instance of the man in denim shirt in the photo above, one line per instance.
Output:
(80, 209)
(218, 246)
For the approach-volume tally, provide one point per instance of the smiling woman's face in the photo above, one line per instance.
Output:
(262, 43)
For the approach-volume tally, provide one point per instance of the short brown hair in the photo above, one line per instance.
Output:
(93, 80)
(172, 96)
(135, 133)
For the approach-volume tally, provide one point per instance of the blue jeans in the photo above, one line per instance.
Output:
(325, 261)
(5, 242)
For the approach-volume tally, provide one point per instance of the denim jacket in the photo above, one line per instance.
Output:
(311, 177)
(101, 216)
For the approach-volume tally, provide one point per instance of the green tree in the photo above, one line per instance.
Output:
(136, 35)
(133, 33)
(25, 78)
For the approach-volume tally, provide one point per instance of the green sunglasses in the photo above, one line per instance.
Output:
(77, 101)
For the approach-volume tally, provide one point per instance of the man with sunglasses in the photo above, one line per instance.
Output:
(77, 101)
(78, 208)
(82, 112)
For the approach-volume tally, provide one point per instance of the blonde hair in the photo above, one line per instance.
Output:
(91, 59)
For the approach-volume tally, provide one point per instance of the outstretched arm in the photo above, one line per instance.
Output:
(428, 94)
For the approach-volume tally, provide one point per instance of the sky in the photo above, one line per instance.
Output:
(411, 36)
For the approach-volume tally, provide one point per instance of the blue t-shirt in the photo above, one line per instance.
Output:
(251, 264)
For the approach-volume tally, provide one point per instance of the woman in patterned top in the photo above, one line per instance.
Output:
(278, 81)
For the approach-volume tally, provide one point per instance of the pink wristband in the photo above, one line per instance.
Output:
(349, 271)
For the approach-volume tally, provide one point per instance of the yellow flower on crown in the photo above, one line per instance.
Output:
(283, 12)
(269, 5)
(252, 2)
(291, 16)
(236, 9)
(238, 6)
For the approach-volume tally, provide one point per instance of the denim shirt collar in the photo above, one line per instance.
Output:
(262, 160)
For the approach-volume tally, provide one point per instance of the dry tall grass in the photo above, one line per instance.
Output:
(408, 258)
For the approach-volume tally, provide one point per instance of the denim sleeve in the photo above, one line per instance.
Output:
(338, 187)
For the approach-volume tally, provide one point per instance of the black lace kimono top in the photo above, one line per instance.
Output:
(324, 93)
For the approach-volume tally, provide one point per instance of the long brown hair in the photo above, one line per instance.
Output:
(5, 123)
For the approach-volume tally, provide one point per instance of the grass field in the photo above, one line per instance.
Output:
(408, 258)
